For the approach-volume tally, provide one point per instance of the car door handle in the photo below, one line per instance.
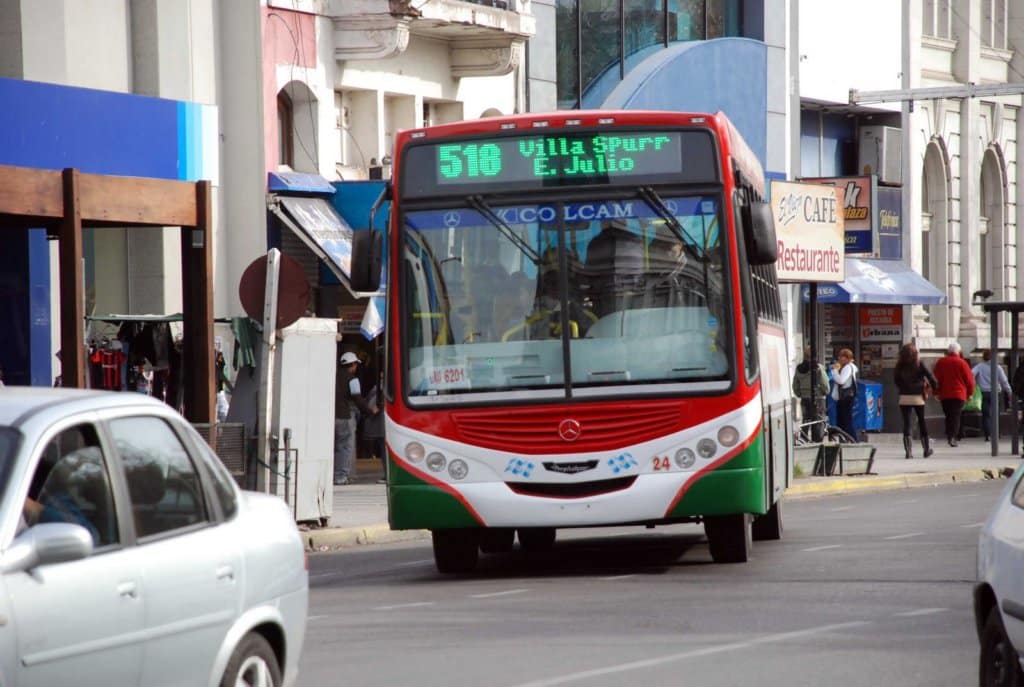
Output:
(225, 572)
(128, 589)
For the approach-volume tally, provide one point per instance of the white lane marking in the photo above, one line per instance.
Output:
(908, 535)
(695, 653)
(900, 503)
(973, 525)
(822, 548)
(317, 576)
(841, 508)
(619, 577)
(412, 563)
(316, 617)
(409, 605)
(920, 611)
(491, 595)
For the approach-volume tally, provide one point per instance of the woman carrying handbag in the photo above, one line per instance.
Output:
(915, 384)
(844, 390)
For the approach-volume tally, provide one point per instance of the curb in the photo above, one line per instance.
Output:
(336, 538)
(333, 538)
(846, 485)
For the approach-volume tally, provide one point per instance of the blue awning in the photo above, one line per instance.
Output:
(890, 282)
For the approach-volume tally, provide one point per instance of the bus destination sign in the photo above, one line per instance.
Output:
(559, 159)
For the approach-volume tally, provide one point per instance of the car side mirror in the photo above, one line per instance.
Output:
(762, 246)
(367, 254)
(45, 544)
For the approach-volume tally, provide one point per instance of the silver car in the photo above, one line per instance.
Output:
(128, 556)
(999, 593)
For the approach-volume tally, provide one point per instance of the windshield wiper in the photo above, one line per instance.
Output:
(478, 204)
(658, 205)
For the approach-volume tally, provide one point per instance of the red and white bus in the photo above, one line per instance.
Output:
(583, 330)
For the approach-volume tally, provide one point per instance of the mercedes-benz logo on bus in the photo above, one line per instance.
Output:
(452, 219)
(569, 429)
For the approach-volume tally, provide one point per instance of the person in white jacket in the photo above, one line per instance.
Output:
(844, 390)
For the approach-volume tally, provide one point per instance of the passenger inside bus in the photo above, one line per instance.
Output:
(545, 322)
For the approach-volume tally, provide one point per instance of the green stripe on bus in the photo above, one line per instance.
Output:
(736, 487)
(414, 504)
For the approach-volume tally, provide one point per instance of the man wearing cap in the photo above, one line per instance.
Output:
(348, 396)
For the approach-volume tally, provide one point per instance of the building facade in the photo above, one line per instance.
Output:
(952, 159)
(229, 92)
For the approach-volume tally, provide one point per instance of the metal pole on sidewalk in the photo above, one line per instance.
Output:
(813, 323)
(993, 385)
(265, 448)
(1014, 364)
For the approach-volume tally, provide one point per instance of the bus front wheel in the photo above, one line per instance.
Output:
(536, 538)
(729, 537)
(456, 550)
(768, 527)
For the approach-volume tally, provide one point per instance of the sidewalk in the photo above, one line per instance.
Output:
(360, 509)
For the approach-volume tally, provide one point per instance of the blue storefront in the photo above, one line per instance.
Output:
(54, 127)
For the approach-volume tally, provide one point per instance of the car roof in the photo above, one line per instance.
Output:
(18, 403)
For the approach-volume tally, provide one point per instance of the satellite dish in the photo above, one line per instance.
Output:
(293, 290)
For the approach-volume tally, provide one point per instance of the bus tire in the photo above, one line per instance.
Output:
(456, 550)
(497, 540)
(729, 537)
(536, 538)
(768, 527)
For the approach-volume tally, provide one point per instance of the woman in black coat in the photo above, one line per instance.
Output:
(910, 377)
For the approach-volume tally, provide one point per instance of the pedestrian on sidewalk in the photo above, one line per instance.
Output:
(915, 384)
(810, 385)
(348, 400)
(983, 378)
(373, 426)
(956, 385)
(844, 390)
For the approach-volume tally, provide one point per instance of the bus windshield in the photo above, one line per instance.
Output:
(565, 298)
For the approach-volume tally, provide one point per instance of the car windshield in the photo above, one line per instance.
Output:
(486, 308)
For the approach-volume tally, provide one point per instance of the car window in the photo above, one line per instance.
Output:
(1018, 493)
(71, 484)
(8, 448)
(165, 490)
(223, 484)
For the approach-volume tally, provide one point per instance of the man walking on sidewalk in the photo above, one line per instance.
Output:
(956, 385)
(983, 378)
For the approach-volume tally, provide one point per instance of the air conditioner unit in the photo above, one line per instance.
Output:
(880, 152)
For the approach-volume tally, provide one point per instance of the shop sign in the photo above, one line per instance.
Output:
(890, 222)
(881, 323)
(809, 232)
(858, 202)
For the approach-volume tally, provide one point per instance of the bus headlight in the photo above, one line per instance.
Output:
(728, 436)
(706, 448)
(458, 469)
(436, 461)
(414, 451)
(685, 458)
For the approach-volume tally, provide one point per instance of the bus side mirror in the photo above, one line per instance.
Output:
(366, 260)
(762, 247)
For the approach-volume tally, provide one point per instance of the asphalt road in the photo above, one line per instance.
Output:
(865, 589)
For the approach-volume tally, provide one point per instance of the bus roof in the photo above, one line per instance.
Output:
(742, 157)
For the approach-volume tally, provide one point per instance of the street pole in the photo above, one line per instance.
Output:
(266, 403)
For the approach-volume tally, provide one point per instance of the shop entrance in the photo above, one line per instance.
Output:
(63, 202)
